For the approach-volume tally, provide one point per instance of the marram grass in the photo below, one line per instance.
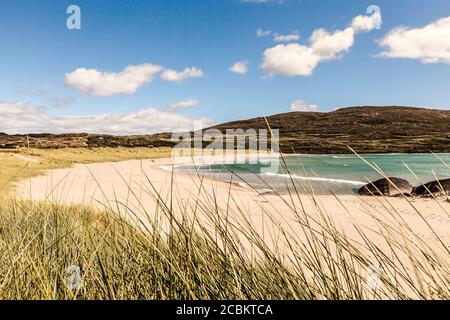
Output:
(209, 258)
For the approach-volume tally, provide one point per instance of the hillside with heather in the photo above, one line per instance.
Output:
(365, 129)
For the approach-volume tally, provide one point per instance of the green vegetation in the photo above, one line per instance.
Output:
(23, 162)
(389, 129)
(172, 254)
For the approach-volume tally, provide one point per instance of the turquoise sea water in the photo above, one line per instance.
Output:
(342, 174)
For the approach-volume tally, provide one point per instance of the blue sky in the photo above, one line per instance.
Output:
(211, 35)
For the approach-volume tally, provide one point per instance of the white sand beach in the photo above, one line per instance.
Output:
(130, 187)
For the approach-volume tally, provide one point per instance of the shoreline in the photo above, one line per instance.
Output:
(128, 188)
(331, 183)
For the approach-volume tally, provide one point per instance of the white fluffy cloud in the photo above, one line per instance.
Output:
(300, 105)
(183, 105)
(301, 60)
(98, 83)
(178, 77)
(240, 67)
(294, 36)
(430, 44)
(19, 117)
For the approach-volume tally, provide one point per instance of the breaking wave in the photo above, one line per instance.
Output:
(284, 175)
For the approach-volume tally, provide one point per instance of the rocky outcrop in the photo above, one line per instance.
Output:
(384, 187)
(436, 188)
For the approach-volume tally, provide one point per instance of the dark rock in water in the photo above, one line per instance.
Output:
(383, 187)
(439, 187)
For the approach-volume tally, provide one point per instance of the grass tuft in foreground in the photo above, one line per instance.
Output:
(38, 242)
(206, 249)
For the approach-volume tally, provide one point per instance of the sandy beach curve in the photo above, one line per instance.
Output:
(136, 189)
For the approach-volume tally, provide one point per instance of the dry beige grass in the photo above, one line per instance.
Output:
(208, 259)
(22, 163)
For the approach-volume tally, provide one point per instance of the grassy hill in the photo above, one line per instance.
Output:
(365, 129)
(82, 140)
